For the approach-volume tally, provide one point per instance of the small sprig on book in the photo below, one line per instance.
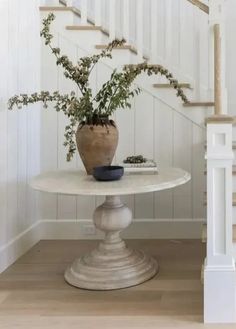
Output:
(135, 159)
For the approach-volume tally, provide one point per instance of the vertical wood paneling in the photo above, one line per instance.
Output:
(103, 74)
(125, 19)
(84, 11)
(19, 65)
(125, 120)
(168, 29)
(85, 204)
(132, 25)
(153, 30)
(198, 167)
(3, 123)
(147, 27)
(118, 19)
(105, 14)
(163, 154)
(96, 8)
(22, 163)
(112, 19)
(182, 151)
(175, 36)
(12, 126)
(161, 29)
(187, 38)
(49, 130)
(140, 28)
(34, 113)
(144, 144)
(66, 204)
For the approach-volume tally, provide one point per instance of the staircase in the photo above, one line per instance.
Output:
(86, 26)
(110, 19)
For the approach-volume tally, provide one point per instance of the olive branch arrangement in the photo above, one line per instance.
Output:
(88, 108)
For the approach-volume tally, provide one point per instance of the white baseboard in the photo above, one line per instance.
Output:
(16, 247)
(139, 229)
(83, 229)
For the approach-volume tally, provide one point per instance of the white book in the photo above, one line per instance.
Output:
(147, 164)
(146, 167)
(150, 170)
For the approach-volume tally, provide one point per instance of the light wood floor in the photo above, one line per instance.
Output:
(33, 293)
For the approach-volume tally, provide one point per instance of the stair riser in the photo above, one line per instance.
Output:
(87, 40)
(84, 39)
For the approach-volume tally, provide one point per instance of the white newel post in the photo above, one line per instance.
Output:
(219, 272)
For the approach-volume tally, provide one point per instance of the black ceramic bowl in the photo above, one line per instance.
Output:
(108, 173)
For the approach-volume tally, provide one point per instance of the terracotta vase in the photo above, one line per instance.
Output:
(96, 145)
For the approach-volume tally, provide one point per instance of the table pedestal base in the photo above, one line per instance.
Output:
(112, 265)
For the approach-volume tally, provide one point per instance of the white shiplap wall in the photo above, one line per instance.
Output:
(19, 131)
(166, 134)
(151, 128)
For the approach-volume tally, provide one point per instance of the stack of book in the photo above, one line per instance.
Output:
(147, 167)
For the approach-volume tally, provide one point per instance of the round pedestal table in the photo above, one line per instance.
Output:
(111, 265)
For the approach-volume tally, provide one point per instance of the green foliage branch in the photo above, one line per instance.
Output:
(87, 108)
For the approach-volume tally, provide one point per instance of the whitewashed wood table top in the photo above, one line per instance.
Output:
(77, 182)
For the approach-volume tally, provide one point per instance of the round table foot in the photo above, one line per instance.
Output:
(112, 265)
(101, 271)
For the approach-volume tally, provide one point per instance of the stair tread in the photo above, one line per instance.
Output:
(127, 46)
(76, 11)
(56, 8)
(195, 104)
(118, 47)
(151, 65)
(84, 28)
(167, 85)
